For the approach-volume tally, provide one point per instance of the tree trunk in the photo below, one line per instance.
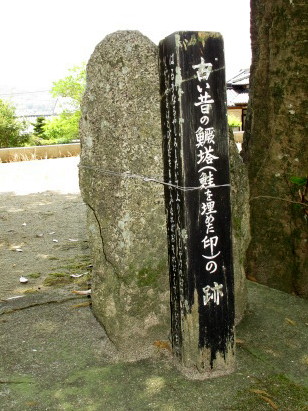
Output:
(275, 145)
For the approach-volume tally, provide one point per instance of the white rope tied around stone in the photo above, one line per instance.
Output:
(146, 179)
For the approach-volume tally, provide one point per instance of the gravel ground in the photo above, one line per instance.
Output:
(42, 226)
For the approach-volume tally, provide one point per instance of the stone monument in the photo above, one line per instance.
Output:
(121, 176)
(120, 143)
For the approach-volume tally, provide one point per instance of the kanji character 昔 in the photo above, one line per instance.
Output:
(203, 98)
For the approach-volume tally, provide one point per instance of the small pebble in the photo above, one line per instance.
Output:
(23, 280)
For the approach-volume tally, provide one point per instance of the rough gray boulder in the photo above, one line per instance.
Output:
(121, 133)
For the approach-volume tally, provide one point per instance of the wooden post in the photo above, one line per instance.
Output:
(197, 196)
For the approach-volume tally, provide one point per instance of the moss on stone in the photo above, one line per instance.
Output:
(146, 277)
(236, 225)
(149, 275)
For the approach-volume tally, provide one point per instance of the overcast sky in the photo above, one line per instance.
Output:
(41, 39)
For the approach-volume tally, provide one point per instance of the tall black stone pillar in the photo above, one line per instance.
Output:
(197, 195)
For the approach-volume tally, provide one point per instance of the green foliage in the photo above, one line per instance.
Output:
(62, 129)
(38, 129)
(234, 121)
(11, 129)
(72, 86)
(65, 127)
(299, 181)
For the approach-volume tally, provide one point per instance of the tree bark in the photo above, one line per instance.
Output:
(275, 145)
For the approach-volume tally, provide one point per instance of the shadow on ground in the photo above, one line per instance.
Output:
(44, 239)
(55, 356)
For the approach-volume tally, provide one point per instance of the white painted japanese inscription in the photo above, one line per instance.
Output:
(203, 69)
(174, 207)
(206, 157)
(213, 293)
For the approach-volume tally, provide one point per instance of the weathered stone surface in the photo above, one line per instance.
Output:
(275, 145)
(121, 132)
(240, 225)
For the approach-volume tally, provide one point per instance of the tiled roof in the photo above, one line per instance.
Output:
(241, 79)
(235, 98)
(231, 96)
(242, 98)
(237, 89)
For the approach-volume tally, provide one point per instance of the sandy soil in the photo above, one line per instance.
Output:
(42, 227)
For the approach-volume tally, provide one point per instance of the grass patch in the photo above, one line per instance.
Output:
(78, 265)
(56, 279)
(58, 274)
(275, 392)
(34, 275)
(30, 291)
